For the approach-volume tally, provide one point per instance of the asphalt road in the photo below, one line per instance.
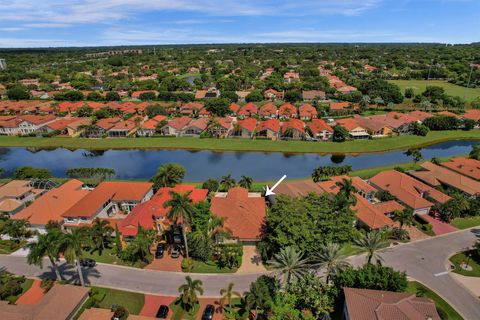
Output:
(425, 261)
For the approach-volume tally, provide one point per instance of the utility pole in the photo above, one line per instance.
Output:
(3, 64)
(430, 69)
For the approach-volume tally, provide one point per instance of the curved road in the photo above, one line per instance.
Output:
(424, 260)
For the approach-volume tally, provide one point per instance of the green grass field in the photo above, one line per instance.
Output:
(473, 261)
(464, 223)
(377, 145)
(419, 86)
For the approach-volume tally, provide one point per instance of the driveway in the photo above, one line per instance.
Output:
(251, 261)
(152, 303)
(439, 227)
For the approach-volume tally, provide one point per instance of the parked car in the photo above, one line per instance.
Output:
(177, 237)
(162, 312)
(175, 252)
(88, 263)
(159, 251)
(208, 312)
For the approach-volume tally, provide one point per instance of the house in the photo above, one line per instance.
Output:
(268, 129)
(336, 106)
(361, 186)
(30, 82)
(3, 92)
(291, 76)
(100, 128)
(16, 194)
(293, 129)
(220, 127)
(243, 213)
(52, 204)
(375, 216)
(366, 304)
(472, 114)
(152, 215)
(191, 108)
(60, 125)
(234, 108)
(124, 128)
(308, 112)
(244, 128)
(106, 200)
(196, 127)
(149, 127)
(287, 111)
(397, 125)
(32, 123)
(175, 126)
(409, 191)
(266, 73)
(242, 95)
(309, 95)
(247, 111)
(369, 68)
(209, 93)
(273, 95)
(467, 167)
(319, 129)
(76, 128)
(346, 89)
(437, 176)
(61, 302)
(355, 130)
(9, 125)
(374, 128)
(420, 116)
(296, 189)
(268, 111)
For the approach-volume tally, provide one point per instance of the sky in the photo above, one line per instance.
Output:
(63, 23)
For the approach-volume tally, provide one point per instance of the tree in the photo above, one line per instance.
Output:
(313, 295)
(227, 295)
(18, 94)
(245, 182)
(261, 295)
(155, 110)
(100, 234)
(168, 175)
(112, 96)
(147, 96)
(71, 246)
(347, 191)
(94, 96)
(371, 242)
(84, 111)
(118, 242)
(409, 93)
(181, 209)
(47, 245)
(188, 292)
(456, 207)
(211, 184)
(25, 173)
(441, 122)
(218, 106)
(254, 96)
(139, 248)
(283, 307)
(475, 152)
(289, 265)
(340, 134)
(403, 217)
(227, 182)
(370, 276)
(416, 154)
(17, 229)
(331, 258)
(419, 129)
(325, 172)
(293, 96)
(377, 87)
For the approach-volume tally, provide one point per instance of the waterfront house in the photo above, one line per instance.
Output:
(287, 111)
(60, 125)
(149, 127)
(268, 111)
(319, 129)
(355, 130)
(248, 110)
(268, 129)
(396, 125)
(375, 216)
(374, 128)
(273, 95)
(76, 128)
(420, 116)
(32, 123)
(467, 167)
(293, 129)
(195, 128)
(125, 128)
(244, 128)
(100, 128)
(175, 126)
(16, 194)
(308, 112)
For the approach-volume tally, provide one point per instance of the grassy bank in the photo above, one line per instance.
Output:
(352, 147)
(468, 222)
(419, 86)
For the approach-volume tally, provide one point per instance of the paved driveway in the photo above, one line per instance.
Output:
(439, 227)
(152, 303)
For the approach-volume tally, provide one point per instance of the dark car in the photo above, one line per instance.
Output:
(159, 251)
(87, 262)
(177, 238)
(208, 312)
(175, 252)
(162, 312)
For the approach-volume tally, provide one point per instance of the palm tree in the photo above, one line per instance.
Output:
(188, 292)
(245, 182)
(346, 186)
(227, 182)
(290, 265)
(227, 295)
(403, 217)
(181, 209)
(47, 245)
(330, 257)
(71, 246)
(100, 233)
(371, 242)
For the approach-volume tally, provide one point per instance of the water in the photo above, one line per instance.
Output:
(201, 165)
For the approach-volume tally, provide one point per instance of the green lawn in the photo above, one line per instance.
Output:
(441, 304)
(209, 267)
(473, 261)
(180, 314)
(108, 256)
(9, 246)
(419, 86)
(377, 145)
(464, 223)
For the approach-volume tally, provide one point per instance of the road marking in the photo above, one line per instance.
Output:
(440, 274)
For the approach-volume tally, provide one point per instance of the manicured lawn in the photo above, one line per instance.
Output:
(180, 314)
(377, 145)
(25, 286)
(9, 246)
(419, 86)
(350, 250)
(209, 267)
(370, 172)
(108, 256)
(473, 261)
(414, 287)
(464, 223)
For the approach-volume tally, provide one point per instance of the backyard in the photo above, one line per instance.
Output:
(419, 86)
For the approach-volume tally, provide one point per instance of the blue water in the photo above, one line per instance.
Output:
(201, 165)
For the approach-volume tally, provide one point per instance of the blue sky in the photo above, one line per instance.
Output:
(49, 23)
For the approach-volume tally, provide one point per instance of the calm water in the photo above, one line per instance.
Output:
(200, 165)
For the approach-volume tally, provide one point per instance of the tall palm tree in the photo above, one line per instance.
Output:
(403, 217)
(100, 233)
(289, 265)
(47, 245)
(71, 246)
(330, 257)
(371, 242)
(346, 186)
(227, 182)
(188, 292)
(181, 209)
(245, 182)
(227, 295)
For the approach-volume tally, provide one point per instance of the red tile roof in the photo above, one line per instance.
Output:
(339, 105)
(107, 123)
(467, 167)
(307, 110)
(37, 120)
(249, 109)
(420, 115)
(319, 125)
(268, 110)
(179, 123)
(349, 123)
(370, 214)
(248, 124)
(62, 123)
(295, 124)
(473, 114)
(244, 216)
(234, 107)
(287, 109)
(270, 124)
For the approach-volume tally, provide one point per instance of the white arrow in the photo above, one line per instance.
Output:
(270, 191)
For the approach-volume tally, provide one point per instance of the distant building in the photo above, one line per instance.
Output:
(3, 64)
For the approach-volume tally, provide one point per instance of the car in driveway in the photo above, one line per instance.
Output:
(159, 251)
(88, 263)
(162, 312)
(208, 312)
(177, 237)
(175, 251)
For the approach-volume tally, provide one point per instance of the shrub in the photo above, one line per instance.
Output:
(187, 265)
